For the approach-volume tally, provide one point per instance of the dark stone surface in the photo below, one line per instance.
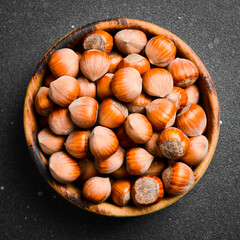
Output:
(30, 209)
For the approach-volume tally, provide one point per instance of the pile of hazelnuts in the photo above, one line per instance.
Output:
(121, 118)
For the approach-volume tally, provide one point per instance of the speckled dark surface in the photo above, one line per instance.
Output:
(30, 209)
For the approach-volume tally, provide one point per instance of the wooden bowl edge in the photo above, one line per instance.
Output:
(106, 208)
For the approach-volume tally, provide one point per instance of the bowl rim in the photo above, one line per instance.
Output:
(70, 192)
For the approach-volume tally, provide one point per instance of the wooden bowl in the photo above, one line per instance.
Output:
(70, 192)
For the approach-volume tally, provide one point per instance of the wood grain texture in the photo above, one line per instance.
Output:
(209, 102)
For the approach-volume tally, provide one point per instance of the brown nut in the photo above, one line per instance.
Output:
(112, 114)
(43, 104)
(77, 144)
(138, 161)
(138, 128)
(136, 61)
(60, 121)
(178, 96)
(121, 192)
(122, 88)
(84, 112)
(64, 90)
(177, 178)
(123, 138)
(197, 151)
(193, 94)
(50, 142)
(184, 72)
(156, 167)
(104, 87)
(103, 142)
(161, 113)
(130, 41)
(192, 120)
(160, 51)
(87, 88)
(157, 82)
(112, 163)
(121, 172)
(63, 167)
(97, 189)
(173, 143)
(138, 104)
(88, 169)
(49, 78)
(152, 146)
(99, 40)
(94, 64)
(64, 62)
(147, 190)
(115, 58)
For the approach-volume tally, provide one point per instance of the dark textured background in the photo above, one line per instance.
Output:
(30, 209)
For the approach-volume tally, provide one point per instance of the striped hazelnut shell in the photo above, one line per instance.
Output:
(160, 51)
(177, 178)
(161, 113)
(136, 61)
(79, 55)
(123, 138)
(121, 172)
(112, 113)
(152, 145)
(192, 120)
(138, 104)
(77, 144)
(130, 41)
(156, 167)
(157, 82)
(122, 88)
(138, 128)
(104, 87)
(97, 189)
(98, 40)
(121, 192)
(103, 142)
(84, 112)
(94, 64)
(87, 88)
(147, 190)
(64, 62)
(64, 90)
(197, 151)
(43, 103)
(48, 79)
(173, 143)
(63, 167)
(115, 58)
(50, 142)
(193, 94)
(179, 97)
(88, 169)
(60, 121)
(112, 163)
(138, 160)
(184, 72)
